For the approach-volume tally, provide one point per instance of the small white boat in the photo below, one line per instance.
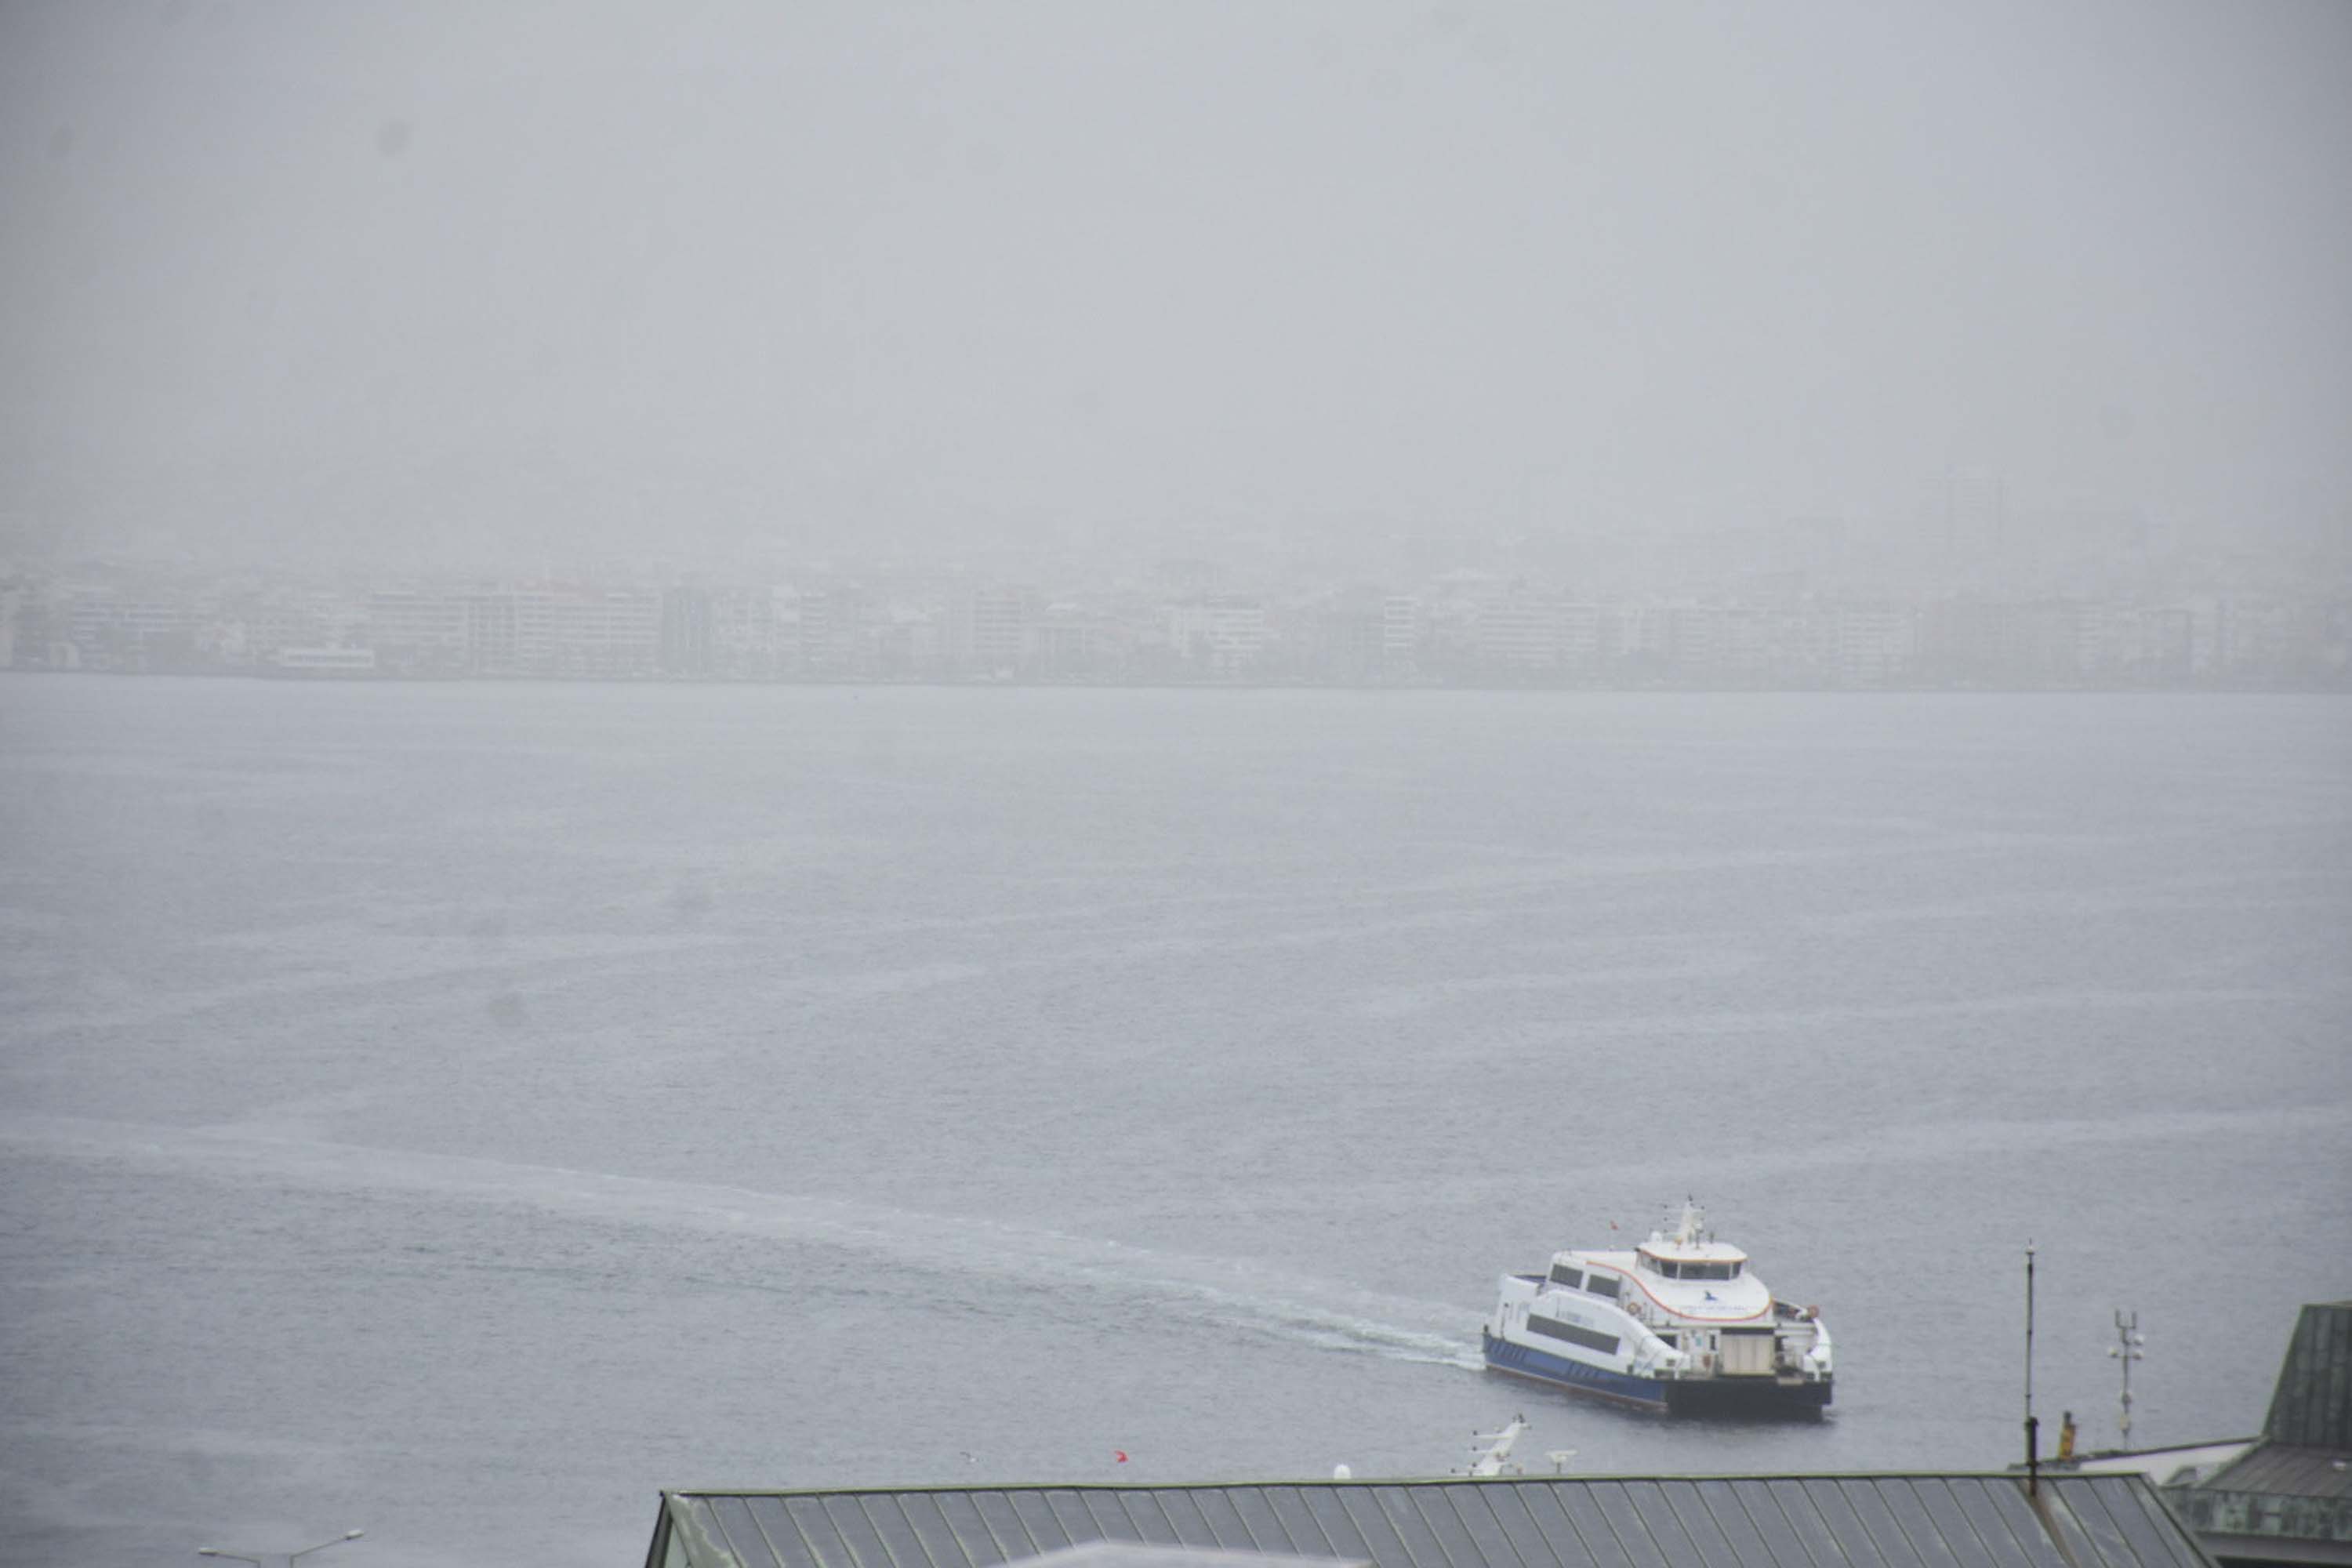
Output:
(1678, 1323)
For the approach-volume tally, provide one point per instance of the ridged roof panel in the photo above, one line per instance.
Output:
(1776, 1522)
(2281, 1470)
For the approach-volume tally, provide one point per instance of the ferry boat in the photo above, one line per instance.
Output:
(1678, 1324)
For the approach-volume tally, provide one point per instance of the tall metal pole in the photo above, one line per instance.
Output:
(2032, 1430)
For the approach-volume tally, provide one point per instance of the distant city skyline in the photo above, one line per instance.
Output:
(1809, 605)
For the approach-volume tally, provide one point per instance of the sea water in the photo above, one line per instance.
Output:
(463, 1110)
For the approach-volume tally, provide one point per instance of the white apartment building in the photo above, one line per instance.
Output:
(1224, 634)
(1402, 629)
(1872, 643)
(1519, 632)
(614, 632)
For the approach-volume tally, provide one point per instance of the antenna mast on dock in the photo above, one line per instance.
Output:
(2126, 1351)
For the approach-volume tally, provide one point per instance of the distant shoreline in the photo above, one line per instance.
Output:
(1657, 688)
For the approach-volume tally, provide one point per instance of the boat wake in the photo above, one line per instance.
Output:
(1068, 1272)
(1333, 1330)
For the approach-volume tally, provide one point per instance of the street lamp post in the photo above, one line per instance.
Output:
(290, 1557)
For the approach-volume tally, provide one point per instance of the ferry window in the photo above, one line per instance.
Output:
(1561, 1274)
(1735, 1271)
(1670, 1268)
(1605, 1343)
(1602, 1285)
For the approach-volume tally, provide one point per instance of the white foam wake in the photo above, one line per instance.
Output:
(1228, 1293)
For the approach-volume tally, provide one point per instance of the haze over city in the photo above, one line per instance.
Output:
(415, 286)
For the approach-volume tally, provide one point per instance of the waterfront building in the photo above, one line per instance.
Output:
(1873, 645)
(1636, 637)
(1746, 647)
(2132, 644)
(1583, 637)
(1695, 639)
(2042, 644)
(1346, 643)
(1220, 635)
(905, 641)
(993, 627)
(1069, 641)
(252, 627)
(510, 631)
(131, 631)
(609, 632)
(1402, 629)
(685, 631)
(832, 625)
(418, 630)
(1519, 632)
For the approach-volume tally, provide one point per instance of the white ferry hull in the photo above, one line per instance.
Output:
(1678, 1323)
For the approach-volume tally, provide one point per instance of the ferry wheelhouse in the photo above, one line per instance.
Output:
(1679, 1324)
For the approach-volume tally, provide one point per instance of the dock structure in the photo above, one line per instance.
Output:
(1907, 1521)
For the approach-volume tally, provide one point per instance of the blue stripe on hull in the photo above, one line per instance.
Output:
(1505, 1356)
(1744, 1397)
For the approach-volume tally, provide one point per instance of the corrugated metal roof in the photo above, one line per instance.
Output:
(2312, 1406)
(1135, 1555)
(2280, 1469)
(1731, 1521)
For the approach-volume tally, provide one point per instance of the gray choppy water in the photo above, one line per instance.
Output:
(461, 1111)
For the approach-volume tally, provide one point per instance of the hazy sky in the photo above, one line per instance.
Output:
(354, 268)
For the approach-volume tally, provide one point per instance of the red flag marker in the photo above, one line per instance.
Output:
(1122, 1455)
